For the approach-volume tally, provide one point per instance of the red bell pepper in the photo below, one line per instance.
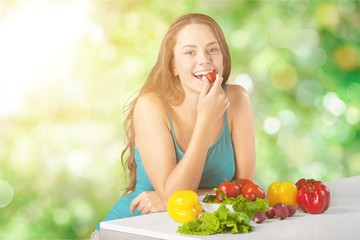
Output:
(313, 198)
(303, 181)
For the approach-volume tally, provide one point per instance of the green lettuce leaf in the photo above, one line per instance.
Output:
(220, 221)
(251, 208)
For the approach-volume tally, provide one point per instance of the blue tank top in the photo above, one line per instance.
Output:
(219, 165)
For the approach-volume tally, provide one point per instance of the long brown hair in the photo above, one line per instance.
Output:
(165, 84)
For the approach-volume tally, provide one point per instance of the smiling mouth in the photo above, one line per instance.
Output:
(199, 75)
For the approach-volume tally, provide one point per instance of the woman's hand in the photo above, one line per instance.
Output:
(213, 101)
(148, 202)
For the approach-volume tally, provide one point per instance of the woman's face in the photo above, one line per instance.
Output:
(196, 53)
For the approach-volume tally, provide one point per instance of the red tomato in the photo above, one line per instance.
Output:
(227, 189)
(249, 196)
(211, 76)
(241, 182)
(252, 188)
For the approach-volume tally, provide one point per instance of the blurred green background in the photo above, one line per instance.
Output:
(68, 67)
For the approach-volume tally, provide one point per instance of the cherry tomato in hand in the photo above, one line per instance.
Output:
(252, 188)
(227, 189)
(211, 76)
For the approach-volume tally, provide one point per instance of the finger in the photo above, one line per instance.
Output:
(227, 102)
(145, 210)
(205, 88)
(142, 207)
(134, 203)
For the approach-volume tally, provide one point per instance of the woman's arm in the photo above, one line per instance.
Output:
(241, 120)
(154, 141)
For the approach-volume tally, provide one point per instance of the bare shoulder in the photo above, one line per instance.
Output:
(149, 107)
(240, 109)
(148, 100)
(237, 95)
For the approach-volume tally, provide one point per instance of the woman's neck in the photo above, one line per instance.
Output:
(188, 109)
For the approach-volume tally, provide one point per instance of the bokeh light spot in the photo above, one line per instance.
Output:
(307, 92)
(80, 163)
(304, 97)
(287, 118)
(245, 81)
(347, 57)
(61, 216)
(284, 76)
(6, 193)
(272, 125)
(334, 104)
(353, 115)
(327, 15)
(239, 39)
(318, 56)
(353, 165)
(329, 119)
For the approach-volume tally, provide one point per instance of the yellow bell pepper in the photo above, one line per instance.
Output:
(184, 206)
(282, 192)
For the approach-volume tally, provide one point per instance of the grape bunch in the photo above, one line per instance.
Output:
(279, 210)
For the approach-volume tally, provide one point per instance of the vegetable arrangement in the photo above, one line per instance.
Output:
(249, 202)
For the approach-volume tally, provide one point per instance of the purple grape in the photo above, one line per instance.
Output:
(279, 205)
(291, 209)
(270, 213)
(281, 212)
(259, 217)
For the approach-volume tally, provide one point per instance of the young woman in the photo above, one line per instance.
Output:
(183, 131)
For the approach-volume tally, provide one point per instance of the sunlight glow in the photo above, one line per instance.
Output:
(37, 42)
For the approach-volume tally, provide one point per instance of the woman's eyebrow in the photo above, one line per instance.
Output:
(194, 46)
(189, 46)
(211, 43)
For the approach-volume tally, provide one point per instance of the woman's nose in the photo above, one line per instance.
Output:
(204, 57)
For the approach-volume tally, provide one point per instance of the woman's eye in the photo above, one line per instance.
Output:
(213, 50)
(190, 53)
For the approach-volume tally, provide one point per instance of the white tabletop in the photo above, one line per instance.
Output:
(340, 221)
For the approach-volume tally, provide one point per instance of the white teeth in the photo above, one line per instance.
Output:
(201, 73)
